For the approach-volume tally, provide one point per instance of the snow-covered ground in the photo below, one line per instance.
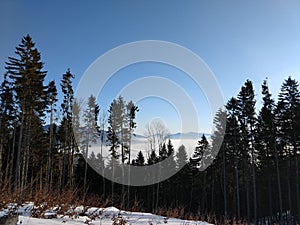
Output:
(93, 216)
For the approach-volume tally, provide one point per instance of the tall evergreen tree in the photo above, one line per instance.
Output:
(66, 131)
(182, 178)
(286, 119)
(8, 118)
(171, 156)
(181, 157)
(163, 152)
(266, 143)
(232, 137)
(76, 123)
(115, 136)
(246, 103)
(140, 160)
(197, 156)
(132, 109)
(52, 99)
(90, 132)
(113, 128)
(219, 144)
(122, 122)
(27, 75)
(152, 159)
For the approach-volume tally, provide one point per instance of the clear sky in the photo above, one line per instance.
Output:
(238, 40)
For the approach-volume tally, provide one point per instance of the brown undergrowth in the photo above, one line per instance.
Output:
(65, 199)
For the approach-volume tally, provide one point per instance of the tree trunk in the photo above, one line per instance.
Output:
(112, 182)
(289, 184)
(1, 156)
(64, 158)
(71, 163)
(296, 179)
(129, 162)
(212, 195)
(24, 160)
(50, 149)
(236, 177)
(27, 151)
(270, 196)
(253, 177)
(7, 168)
(85, 170)
(1, 153)
(12, 159)
(278, 178)
(247, 185)
(192, 192)
(103, 166)
(224, 182)
(157, 191)
(18, 160)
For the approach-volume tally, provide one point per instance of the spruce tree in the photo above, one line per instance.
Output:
(171, 157)
(140, 160)
(163, 153)
(8, 118)
(113, 129)
(182, 177)
(90, 133)
(223, 154)
(65, 130)
(132, 109)
(286, 119)
(27, 76)
(114, 137)
(52, 99)
(246, 103)
(266, 143)
(232, 137)
(152, 159)
(197, 156)
(181, 157)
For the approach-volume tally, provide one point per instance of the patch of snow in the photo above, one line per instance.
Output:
(25, 209)
(3, 213)
(79, 209)
(50, 214)
(93, 211)
(94, 215)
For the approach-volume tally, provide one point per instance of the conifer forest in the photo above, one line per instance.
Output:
(255, 175)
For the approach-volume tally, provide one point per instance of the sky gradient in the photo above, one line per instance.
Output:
(238, 40)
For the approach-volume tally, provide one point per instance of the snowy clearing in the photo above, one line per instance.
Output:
(91, 216)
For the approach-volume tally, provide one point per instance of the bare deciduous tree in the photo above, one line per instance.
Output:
(156, 134)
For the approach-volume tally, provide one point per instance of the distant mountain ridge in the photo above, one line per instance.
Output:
(178, 135)
(188, 135)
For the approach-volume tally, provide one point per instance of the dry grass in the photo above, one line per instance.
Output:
(70, 198)
(176, 212)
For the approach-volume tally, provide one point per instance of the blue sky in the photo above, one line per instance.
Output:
(238, 40)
